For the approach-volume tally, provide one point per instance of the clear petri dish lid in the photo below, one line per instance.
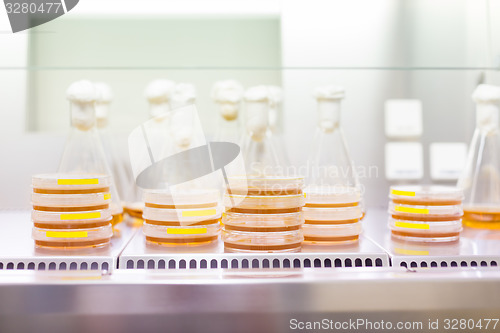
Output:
(99, 215)
(72, 235)
(166, 232)
(333, 215)
(423, 227)
(333, 230)
(272, 185)
(422, 211)
(63, 224)
(424, 238)
(185, 198)
(427, 194)
(332, 195)
(70, 200)
(262, 241)
(244, 221)
(184, 216)
(264, 202)
(61, 181)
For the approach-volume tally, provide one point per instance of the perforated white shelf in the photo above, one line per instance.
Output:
(138, 254)
(476, 248)
(18, 251)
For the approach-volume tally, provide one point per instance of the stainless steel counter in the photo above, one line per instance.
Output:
(250, 300)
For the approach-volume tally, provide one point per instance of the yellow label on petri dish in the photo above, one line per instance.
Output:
(411, 252)
(402, 224)
(107, 196)
(186, 231)
(66, 234)
(403, 193)
(81, 216)
(89, 181)
(202, 212)
(411, 210)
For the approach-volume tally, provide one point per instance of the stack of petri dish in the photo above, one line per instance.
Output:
(186, 218)
(332, 215)
(71, 211)
(429, 214)
(263, 215)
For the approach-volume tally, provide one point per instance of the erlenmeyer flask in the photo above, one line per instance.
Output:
(158, 94)
(275, 112)
(259, 152)
(333, 198)
(330, 162)
(481, 177)
(265, 215)
(227, 95)
(83, 152)
(115, 163)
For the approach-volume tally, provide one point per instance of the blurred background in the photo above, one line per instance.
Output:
(433, 51)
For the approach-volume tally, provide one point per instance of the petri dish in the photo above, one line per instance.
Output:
(241, 241)
(332, 196)
(482, 217)
(88, 201)
(449, 212)
(426, 195)
(424, 227)
(70, 217)
(337, 215)
(266, 186)
(72, 238)
(74, 224)
(71, 183)
(262, 222)
(187, 215)
(425, 238)
(264, 204)
(184, 199)
(181, 235)
(332, 233)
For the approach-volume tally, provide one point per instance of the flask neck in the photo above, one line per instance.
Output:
(274, 110)
(487, 116)
(228, 111)
(328, 114)
(157, 109)
(83, 115)
(257, 121)
(101, 111)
